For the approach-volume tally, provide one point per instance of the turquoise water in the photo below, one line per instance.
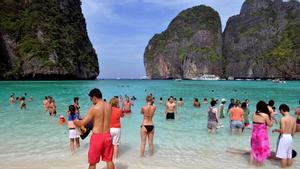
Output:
(32, 139)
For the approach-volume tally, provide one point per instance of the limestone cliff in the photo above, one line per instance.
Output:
(45, 40)
(263, 41)
(190, 47)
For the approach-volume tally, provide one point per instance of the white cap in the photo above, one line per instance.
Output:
(223, 100)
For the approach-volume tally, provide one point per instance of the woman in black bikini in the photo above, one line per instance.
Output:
(147, 127)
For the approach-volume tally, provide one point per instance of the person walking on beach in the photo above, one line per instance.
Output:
(246, 114)
(73, 135)
(101, 142)
(115, 125)
(147, 127)
(170, 108)
(236, 118)
(126, 106)
(287, 131)
(11, 99)
(213, 121)
(260, 145)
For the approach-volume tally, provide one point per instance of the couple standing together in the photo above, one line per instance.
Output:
(260, 146)
(101, 141)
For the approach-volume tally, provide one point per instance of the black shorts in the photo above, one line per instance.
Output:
(170, 116)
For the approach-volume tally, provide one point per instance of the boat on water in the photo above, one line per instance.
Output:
(178, 79)
(278, 81)
(144, 78)
(207, 77)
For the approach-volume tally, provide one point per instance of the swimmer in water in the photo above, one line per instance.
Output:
(170, 108)
(180, 102)
(46, 104)
(23, 103)
(205, 101)
(11, 99)
(196, 103)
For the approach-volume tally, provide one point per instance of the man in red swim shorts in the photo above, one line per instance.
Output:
(101, 142)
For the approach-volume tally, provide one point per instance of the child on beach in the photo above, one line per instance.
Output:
(72, 128)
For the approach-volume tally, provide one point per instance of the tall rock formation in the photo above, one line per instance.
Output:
(45, 40)
(190, 47)
(263, 41)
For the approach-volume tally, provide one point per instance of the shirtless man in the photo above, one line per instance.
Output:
(126, 106)
(46, 104)
(170, 108)
(180, 102)
(100, 143)
(147, 127)
(287, 131)
(11, 99)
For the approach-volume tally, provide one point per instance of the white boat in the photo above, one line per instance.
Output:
(145, 78)
(278, 81)
(230, 78)
(178, 79)
(207, 77)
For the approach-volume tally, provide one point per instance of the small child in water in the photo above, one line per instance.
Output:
(62, 120)
(73, 133)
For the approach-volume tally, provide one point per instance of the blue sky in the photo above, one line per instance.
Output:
(120, 29)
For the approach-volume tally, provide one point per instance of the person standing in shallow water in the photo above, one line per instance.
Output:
(213, 121)
(126, 106)
(100, 142)
(222, 108)
(246, 114)
(260, 145)
(11, 99)
(196, 103)
(170, 108)
(236, 118)
(23, 103)
(231, 105)
(46, 104)
(115, 125)
(73, 135)
(287, 131)
(147, 127)
(180, 102)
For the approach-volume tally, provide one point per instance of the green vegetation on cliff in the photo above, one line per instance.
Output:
(51, 34)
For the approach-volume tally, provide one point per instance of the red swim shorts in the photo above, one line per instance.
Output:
(100, 146)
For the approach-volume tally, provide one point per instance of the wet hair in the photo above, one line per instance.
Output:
(25, 94)
(95, 93)
(205, 99)
(76, 99)
(237, 103)
(196, 99)
(231, 100)
(180, 99)
(104, 100)
(175, 99)
(22, 98)
(284, 108)
(244, 105)
(72, 110)
(149, 98)
(46, 97)
(11, 95)
(262, 107)
(213, 103)
(160, 98)
(171, 97)
(271, 103)
(114, 102)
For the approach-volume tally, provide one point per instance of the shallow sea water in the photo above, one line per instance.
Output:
(30, 139)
